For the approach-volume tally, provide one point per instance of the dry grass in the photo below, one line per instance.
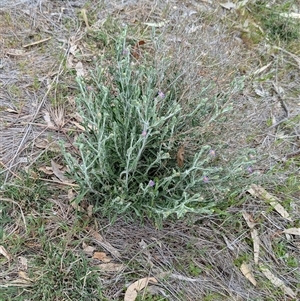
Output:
(195, 259)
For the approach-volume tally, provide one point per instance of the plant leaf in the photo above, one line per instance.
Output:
(131, 292)
(249, 219)
(102, 256)
(5, 253)
(256, 244)
(292, 231)
(246, 271)
(180, 156)
(111, 267)
(228, 5)
(104, 243)
(23, 263)
(159, 24)
(260, 192)
(277, 282)
(290, 15)
(59, 174)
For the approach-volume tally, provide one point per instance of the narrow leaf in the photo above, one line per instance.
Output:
(292, 231)
(249, 219)
(180, 156)
(277, 282)
(246, 271)
(111, 267)
(5, 253)
(260, 192)
(134, 288)
(256, 244)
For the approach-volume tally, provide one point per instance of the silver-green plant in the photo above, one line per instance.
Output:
(127, 153)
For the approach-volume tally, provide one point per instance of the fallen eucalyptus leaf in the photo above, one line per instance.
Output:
(246, 271)
(277, 282)
(134, 288)
(260, 192)
(292, 231)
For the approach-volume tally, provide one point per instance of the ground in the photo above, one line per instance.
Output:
(53, 249)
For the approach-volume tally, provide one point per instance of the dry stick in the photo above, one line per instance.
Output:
(293, 154)
(284, 106)
(6, 168)
(295, 57)
(59, 182)
(11, 163)
(37, 42)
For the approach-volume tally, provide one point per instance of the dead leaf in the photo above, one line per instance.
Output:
(277, 282)
(46, 170)
(134, 288)
(78, 125)
(242, 3)
(228, 243)
(5, 253)
(159, 24)
(16, 52)
(50, 145)
(88, 250)
(246, 271)
(23, 275)
(249, 219)
(73, 49)
(79, 69)
(180, 156)
(254, 235)
(96, 235)
(69, 62)
(292, 231)
(71, 197)
(260, 192)
(256, 244)
(90, 210)
(47, 118)
(290, 15)
(23, 263)
(84, 16)
(228, 5)
(102, 256)
(11, 111)
(111, 267)
(56, 170)
(136, 50)
(59, 173)
(262, 69)
(19, 283)
(104, 243)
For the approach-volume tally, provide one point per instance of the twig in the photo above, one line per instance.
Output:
(295, 57)
(293, 154)
(6, 168)
(37, 42)
(284, 106)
